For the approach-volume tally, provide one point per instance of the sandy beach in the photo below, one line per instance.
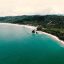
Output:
(39, 32)
(52, 36)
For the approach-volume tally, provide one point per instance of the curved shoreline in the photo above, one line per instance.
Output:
(33, 27)
(40, 32)
(52, 36)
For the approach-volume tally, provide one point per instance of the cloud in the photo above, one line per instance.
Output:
(28, 7)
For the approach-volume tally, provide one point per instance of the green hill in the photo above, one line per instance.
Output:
(53, 24)
(46, 20)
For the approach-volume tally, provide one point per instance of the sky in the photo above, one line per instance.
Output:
(31, 7)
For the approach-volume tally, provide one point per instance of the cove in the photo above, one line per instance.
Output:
(19, 46)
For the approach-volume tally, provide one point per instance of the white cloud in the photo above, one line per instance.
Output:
(23, 7)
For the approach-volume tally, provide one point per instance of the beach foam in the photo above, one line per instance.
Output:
(33, 27)
(52, 36)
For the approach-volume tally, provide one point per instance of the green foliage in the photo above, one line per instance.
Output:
(39, 28)
(46, 20)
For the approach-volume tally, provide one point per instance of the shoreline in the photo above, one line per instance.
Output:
(39, 32)
(52, 36)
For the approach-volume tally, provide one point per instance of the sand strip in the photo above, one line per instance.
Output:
(33, 27)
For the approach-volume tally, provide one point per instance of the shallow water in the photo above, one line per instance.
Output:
(19, 46)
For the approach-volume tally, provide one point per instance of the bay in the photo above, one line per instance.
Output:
(19, 46)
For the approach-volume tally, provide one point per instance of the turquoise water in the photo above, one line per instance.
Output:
(19, 46)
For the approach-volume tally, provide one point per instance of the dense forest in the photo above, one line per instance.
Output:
(56, 21)
(53, 24)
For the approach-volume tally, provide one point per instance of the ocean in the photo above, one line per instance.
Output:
(19, 46)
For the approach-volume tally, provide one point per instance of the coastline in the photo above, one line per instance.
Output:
(39, 32)
(52, 36)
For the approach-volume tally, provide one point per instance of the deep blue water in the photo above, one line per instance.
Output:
(19, 46)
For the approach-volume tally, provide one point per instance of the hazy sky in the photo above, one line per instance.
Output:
(28, 7)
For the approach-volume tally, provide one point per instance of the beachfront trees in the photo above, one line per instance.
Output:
(39, 28)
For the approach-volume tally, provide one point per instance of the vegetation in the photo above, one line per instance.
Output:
(55, 32)
(53, 24)
(39, 28)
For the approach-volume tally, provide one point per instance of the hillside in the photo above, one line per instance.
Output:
(46, 20)
(53, 24)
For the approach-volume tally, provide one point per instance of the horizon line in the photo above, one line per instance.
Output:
(32, 15)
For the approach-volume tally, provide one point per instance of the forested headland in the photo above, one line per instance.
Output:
(53, 24)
